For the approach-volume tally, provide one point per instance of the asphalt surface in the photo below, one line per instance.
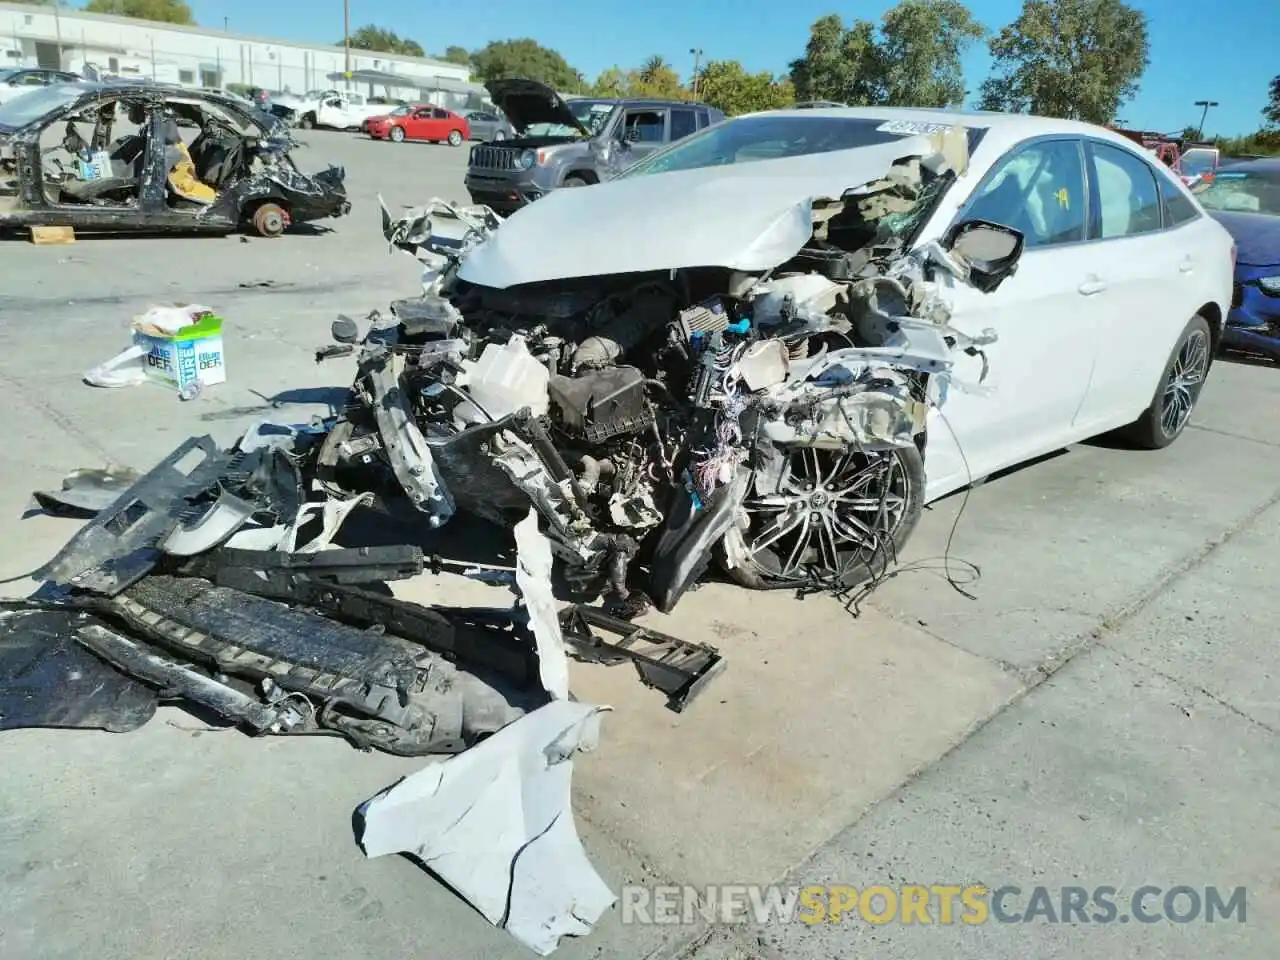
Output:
(1101, 710)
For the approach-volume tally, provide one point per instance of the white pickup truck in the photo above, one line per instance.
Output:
(341, 111)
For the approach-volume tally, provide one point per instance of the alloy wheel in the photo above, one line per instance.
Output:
(832, 510)
(1186, 377)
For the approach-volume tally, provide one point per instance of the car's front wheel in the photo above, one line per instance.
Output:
(1179, 389)
(455, 138)
(308, 121)
(835, 517)
(397, 134)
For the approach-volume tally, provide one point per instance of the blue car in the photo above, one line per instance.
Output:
(1245, 198)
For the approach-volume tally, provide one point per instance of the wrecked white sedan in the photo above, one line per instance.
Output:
(775, 340)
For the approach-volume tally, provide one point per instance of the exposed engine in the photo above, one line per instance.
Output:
(774, 420)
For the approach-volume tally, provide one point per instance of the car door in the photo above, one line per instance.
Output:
(1045, 317)
(441, 123)
(417, 125)
(1150, 278)
(645, 129)
(331, 112)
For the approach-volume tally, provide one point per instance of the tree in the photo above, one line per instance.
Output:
(920, 52)
(164, 11)
(456, 54)
(1271, 112)
(525, 58)
(610, 83)
(1078, 59)
(656, 79)
(374, 38)
(725, 85)
(838, 63)
(911, 59)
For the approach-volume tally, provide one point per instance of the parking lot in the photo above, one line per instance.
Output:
(1100, 709)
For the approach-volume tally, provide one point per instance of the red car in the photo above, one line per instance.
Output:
(420, 121)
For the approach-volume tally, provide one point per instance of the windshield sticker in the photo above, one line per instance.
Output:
(912, 127)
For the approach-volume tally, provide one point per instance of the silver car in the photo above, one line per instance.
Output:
(488, 126)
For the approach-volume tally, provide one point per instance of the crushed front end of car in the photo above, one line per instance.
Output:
(757, 397)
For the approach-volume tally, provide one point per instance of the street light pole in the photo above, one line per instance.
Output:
(697, 57)
(346, 44)
(1203, 113)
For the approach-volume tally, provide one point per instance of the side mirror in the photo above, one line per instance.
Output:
(989, 251)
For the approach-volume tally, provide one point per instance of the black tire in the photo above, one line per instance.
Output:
(397, 134)
(854, 564)
(499, 136)
(308, 121)
(576, 180)
(455, 138)
(1178, 390)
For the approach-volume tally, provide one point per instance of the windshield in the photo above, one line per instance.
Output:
(401, 111)
(1243, 192)
(1198, 162)
(30, 107)
(773, 136)
(592, 114)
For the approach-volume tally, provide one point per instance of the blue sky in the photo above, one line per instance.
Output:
(1223, 50)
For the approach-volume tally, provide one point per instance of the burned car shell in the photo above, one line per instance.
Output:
(265, 173)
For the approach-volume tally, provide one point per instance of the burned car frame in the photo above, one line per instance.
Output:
(236, 174)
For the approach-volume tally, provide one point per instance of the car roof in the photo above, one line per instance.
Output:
(1002, 129)
(644, 102)
(1260, 165)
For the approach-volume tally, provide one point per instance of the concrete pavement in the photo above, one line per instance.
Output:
(1103, 713)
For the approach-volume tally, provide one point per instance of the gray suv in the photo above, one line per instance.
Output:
(570, 143)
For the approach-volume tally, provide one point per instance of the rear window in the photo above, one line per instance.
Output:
(1241, 192)
(770, 136)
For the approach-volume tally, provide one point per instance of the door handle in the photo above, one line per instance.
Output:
(1187, 265)
(1091, 286)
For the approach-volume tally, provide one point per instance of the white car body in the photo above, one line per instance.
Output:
(1084, 328)
(341, 111)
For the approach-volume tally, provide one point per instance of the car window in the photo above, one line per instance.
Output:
(1177, 207)
(645, 126)
(34, 79)
(438, 114)
(421, 114)
(333, 102)
(1128, 200)
(1248, 191)
(683, 123)
(1038, 190)
(355, 99)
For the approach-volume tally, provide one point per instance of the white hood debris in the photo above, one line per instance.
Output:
(495, 823)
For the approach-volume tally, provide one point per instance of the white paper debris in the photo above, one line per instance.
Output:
(495, 823)
(122, 370)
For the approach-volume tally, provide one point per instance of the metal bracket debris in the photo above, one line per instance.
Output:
(679, 668)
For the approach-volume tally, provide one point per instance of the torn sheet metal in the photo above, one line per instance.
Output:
(739, 216)
(495, 823)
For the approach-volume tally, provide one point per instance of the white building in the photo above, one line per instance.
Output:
(53, 38)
